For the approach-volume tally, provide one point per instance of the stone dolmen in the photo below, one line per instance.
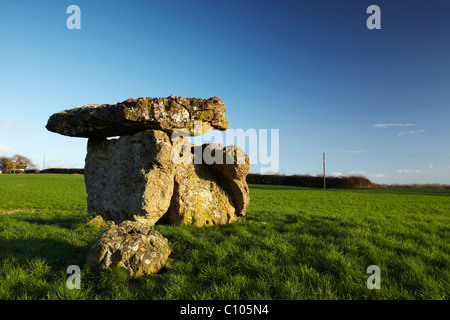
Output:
(151, 171)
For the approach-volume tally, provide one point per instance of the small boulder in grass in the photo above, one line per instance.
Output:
(98, 221)
(132, 245)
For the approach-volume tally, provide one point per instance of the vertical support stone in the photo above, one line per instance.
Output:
(130, 178)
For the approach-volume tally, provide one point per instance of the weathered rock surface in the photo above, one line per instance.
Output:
(146, 175)
(132, 245)
(98, 221)
(198, 197)
(130, 178)
(134, 115)
(152, 171)
(231, 166)
(138, 177)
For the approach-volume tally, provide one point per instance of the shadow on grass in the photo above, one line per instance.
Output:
(56, 253)
(66, 222)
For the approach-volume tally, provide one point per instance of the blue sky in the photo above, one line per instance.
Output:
(376, 101)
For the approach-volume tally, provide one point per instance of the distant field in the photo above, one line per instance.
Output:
(294, 243)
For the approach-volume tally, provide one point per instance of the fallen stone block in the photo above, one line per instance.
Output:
(131, 245)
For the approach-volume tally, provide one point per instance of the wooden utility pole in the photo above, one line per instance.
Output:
(324, 182)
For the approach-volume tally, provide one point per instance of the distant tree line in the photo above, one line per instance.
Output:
(309, 181)
(16, 162)
(63, 170)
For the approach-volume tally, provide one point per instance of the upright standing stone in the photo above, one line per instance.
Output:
(231, 167)
(199, 197)
(130, 178)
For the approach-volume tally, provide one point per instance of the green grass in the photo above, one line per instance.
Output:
(294, 243)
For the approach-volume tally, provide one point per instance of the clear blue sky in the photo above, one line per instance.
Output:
(376, 101)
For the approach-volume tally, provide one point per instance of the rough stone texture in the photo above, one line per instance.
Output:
(98, 221)
(131, 245)
(146, 175)
(134, 115)
(138, 176)
(209, 188)
(130, 178)
(198, 198)
(231, 165)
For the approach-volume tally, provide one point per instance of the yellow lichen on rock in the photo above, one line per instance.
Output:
(198, 198)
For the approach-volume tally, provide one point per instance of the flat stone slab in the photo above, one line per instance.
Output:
(194, 116)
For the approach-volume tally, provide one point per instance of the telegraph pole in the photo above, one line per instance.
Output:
(43, 164)
(324, 182)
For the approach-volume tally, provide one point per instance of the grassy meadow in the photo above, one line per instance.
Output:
(294, 243)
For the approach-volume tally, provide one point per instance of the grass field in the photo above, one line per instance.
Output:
(294, 243)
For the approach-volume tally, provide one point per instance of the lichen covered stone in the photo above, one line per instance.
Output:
(199, 199)
(130, 178)
(193, 115)
(231, 167)
(132, 245)
(146, 176)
